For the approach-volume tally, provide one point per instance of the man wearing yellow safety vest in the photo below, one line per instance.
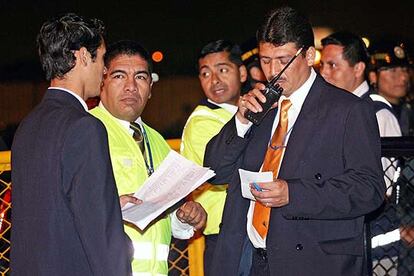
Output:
(221, 74)
(136, 151)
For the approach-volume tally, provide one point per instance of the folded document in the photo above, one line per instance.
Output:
(174, 179)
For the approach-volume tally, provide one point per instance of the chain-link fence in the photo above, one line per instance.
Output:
(390, 230)
(178, 258)
(5, 209)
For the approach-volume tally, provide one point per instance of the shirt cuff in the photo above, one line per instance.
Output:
(180, 230)
(242, 128)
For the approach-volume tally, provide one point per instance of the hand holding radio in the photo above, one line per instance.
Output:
(271, 94)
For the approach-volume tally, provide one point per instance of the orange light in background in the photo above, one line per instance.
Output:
(317, 57)
(157, 56)
(320, 33)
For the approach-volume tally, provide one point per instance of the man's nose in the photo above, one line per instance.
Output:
(130, 85)
(275, 68)
(215, 78)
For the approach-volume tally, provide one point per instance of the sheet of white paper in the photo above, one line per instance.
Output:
(174, 179)
(247, 177)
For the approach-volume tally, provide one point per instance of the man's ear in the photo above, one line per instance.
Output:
(243, 73)
(359, 69)
(310, 56)
(82, 56)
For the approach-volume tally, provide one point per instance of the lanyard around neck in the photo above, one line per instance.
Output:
(150, 166)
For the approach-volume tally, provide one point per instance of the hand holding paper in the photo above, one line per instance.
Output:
(247, 177)
(174, 179)
(129, 198)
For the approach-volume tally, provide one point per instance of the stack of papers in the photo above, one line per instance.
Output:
(173, 180)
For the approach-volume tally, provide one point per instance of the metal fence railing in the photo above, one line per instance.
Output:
(5, 210)
(390, 230)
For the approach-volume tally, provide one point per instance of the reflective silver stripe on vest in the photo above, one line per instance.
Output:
(384, 239)
(144, 251)
(147, 274)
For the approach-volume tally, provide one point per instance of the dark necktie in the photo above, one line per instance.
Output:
(272, 161)
(138, 137)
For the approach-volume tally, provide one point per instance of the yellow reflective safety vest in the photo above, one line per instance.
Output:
(151, 247)
(204, 123)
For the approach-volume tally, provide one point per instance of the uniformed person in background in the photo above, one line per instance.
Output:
(221, 74)
(389, 74)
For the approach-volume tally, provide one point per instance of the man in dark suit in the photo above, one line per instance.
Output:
(323, 148)
(66, 216)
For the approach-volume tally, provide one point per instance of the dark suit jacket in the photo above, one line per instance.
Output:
(66, 217)
(332, 166)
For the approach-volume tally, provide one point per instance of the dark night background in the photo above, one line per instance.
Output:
(180, 27)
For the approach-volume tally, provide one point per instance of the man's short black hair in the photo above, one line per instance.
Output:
(354, 49)
(60, 37)
(222, 45)
(129, 48)
(285, 25)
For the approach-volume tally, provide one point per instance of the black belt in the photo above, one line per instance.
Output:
(262, 253)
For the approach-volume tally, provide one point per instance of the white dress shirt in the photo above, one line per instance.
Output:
(297, 99)
(387, 122)
(229, 107)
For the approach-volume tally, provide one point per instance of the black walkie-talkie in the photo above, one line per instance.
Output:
(272, 92)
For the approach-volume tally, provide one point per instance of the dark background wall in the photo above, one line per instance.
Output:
(179, 28)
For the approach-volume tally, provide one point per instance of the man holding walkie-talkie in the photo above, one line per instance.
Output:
(322, 146)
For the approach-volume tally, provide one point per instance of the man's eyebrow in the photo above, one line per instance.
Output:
(124, 72)
(142, 72)
(118, 71)
(202, 67)
(278, 57)
(222, 63)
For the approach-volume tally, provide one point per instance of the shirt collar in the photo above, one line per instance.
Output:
(229, 107)
(83, 103)
(125, 124)
(298, 97)
(361, 89)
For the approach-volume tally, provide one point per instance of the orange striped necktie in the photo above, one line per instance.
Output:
(272, 163)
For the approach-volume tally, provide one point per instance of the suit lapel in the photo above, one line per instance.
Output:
(259, 141)
(303, 131)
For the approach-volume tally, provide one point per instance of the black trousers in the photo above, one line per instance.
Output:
(260, 265)
(210, 245)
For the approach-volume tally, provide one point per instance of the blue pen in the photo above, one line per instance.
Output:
(257, 187)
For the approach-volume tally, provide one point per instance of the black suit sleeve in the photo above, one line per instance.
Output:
(224, 153)
(92, 196)
(357, 191)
